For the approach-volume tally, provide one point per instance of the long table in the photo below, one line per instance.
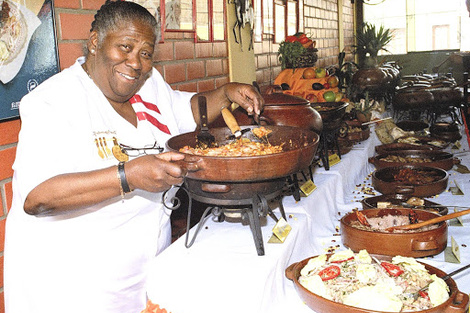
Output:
(222, 272)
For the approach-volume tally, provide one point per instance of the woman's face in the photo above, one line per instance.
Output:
(123, 61)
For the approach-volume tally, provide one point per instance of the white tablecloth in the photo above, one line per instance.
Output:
(222, 272)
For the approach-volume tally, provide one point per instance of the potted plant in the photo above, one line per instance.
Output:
(363, 108)
(369, 41)
(297, 51)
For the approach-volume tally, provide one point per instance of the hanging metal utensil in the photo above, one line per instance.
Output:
(204, 138)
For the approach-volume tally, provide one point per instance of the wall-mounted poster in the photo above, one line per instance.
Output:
(28, 50)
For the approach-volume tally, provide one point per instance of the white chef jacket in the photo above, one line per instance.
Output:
(93, 260)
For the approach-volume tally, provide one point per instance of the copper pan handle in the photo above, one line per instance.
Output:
(405, 190)
(418, 245)
(215, 188)
(459, 303)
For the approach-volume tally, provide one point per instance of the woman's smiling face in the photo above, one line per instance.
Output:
(123, 60)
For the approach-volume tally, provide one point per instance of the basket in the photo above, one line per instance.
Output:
(307, 59)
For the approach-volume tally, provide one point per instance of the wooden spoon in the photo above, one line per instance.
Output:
(430, 221)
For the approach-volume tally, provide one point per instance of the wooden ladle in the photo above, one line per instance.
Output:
(430, 221)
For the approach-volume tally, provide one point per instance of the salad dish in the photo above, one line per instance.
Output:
(359, 282)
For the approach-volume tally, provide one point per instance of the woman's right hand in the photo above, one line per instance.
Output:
(156, 173)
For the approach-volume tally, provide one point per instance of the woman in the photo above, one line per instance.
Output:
(82, 228)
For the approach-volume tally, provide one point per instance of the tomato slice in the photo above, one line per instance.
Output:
(330, 272)
(424, 294)
(392, 269)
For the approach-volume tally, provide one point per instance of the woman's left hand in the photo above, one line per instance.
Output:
(247, 96)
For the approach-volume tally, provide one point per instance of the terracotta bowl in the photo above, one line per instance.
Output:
(358, 135)
(331, 113)
(408, 125)
(445, 131)
(438, 158)
(457, 302)
(397, 146)
(383, 181)
(412, 244)
(399, 199)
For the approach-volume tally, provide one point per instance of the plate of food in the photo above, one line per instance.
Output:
(362, 283)
(17, 25)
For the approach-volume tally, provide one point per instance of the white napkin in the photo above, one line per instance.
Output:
(10, 70)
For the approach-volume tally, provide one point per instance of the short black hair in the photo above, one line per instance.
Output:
(112, 14)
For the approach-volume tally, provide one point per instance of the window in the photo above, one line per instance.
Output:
(210, 20)
(276, 17)
(421, 25)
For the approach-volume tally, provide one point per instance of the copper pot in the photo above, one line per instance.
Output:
(383, 181)
(412, 99)
(286, 110)
(439, 159)
(371, 78)
(299, 148)
(281, 110)
(412, 244)
(457, 302)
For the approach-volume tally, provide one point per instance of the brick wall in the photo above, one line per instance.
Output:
(321, 24)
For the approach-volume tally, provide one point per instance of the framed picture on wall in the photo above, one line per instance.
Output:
(28, 50)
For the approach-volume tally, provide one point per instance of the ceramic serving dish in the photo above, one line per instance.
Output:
(457, 302)
(398, 199)
(356, 132)
(397, 146)
(433, 158)
(445, 131)
(419, 181)
(414, 243)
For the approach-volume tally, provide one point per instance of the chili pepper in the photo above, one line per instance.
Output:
(292, 39)
(330, 272)
(304, 39)
(392, 269)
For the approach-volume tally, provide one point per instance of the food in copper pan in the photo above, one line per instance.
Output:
(415, 176)
(381, 223)
(356, 280)
(261, 131)
(417, 141)
(239, 147)
(405, 159)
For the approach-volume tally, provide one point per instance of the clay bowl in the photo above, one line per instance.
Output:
(384, 180)
(445, 131)
(332, 113)
(437, 158)
(398, 146)
(457, 302)
(398, 199)
(415, 126)
(279, 110)
(411, 243)
(360, 132)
